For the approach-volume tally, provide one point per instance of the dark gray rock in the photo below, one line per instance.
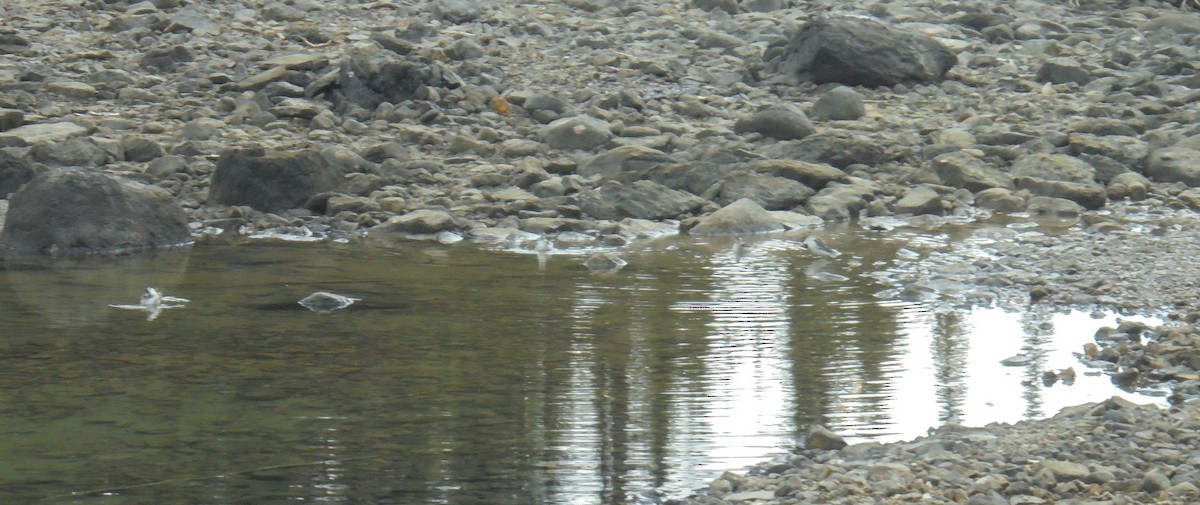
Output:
(963, 170)
(1174, 164)
(769, 191)
(821, 439)
(11, 118)
(835, 147)
(920, 200)
(167, 59)
(579, 132)
(15, 171)
(81, 212)
(697, 178)
(1055, 167)
(860, 51)
(273, 181)
(615, 201)
(625, 160)
(840, 103)
(463, 49)
(742, 217)
(544, 101)
(780, 121)
(1062, 71)
(140, 149)
(368, 80)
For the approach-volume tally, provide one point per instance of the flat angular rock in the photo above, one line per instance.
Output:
(73, 152)
(418, 222)
(743, 217)
(999, 200)
(44, 132)
(813, 175)
(368, 80)
(272, 181)
(1047, 206)
(840, 103)
(1055, 167)
(771, 192)
(298, 61)
(781, 122)
(624, 160)
(860, 51)
(1062, 71)
(920, 200)
(1175, 164)
(1128, 151)
(838, 148)
(841, 201)
(579, 132)
(81, 212)
(820, 438)
(615, 201)
(1089, 195)
(963, 170)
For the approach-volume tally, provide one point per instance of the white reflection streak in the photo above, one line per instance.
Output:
(748, 315)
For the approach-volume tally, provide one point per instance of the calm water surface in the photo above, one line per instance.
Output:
(471, 376)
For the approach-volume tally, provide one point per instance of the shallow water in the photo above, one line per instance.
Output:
(473, 376)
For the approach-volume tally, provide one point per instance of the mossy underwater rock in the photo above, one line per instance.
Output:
(74, 212)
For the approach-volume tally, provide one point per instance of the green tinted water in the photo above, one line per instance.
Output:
(472, 376)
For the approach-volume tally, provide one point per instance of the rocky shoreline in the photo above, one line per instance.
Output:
(1110, 452)
(1068, 135)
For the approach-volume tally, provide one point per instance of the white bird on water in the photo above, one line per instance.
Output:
(153, 302)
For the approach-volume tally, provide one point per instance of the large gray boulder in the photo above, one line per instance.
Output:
(860, 51)
(743, 217)
(80, 212)
(273, 181)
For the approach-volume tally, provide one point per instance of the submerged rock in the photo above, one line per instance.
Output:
(743, 217)
(605, 262)
(322, 301)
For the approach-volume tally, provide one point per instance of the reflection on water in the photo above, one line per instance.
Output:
(470, 376)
